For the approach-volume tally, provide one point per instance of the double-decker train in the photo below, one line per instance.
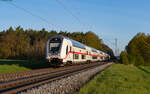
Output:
(62, 50)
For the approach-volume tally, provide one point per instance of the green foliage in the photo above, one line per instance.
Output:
(106, 49)
(30, 44)
(139, 60)
(138, 49)
(93, 40)
(119, 79)
(124, 58)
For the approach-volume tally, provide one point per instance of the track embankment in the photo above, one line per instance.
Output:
(52, 81)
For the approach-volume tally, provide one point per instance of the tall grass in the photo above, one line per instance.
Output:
(119, 79)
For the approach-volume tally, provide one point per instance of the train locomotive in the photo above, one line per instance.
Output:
(62, 50)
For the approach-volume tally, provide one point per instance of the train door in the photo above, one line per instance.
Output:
(68, 54)
(71, 54)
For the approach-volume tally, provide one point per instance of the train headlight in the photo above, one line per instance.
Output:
(48, 57)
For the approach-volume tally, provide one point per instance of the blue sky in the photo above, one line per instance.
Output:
(109, 19)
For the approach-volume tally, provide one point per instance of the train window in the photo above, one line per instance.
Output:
(54, 45)
(76, 56)
(83, 56)
(94, 57)
(55, 40)
(66, 50)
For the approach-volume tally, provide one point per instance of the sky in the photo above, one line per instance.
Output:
(109, 19)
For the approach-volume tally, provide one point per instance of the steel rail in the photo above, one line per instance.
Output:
(24, 84)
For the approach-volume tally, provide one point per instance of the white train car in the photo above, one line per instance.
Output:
(62, 50)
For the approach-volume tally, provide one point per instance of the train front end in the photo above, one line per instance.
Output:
(53, 50)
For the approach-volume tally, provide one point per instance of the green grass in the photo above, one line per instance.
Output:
(145, 68)
(7, 66)
(11, 68)
(119, 79)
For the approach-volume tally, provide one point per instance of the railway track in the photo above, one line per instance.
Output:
(18, 84)
(5, 78)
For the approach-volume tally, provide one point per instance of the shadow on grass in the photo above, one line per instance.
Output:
(144, 70)
(26, 63)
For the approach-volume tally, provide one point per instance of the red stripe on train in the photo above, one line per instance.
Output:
(81, 54)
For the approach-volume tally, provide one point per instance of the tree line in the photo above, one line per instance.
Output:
(137, 51)
(31, 44)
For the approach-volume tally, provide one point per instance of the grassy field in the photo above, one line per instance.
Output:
(7, 66)
(120, 79)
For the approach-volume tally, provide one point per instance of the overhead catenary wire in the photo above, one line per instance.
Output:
(114, 45)
(45, 20)
(70, 12)
(109, 41)
(32, 14)
(67, 10)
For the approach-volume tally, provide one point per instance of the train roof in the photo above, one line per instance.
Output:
(80, 45)
(76, 43)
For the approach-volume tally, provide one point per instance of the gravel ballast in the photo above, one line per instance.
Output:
(67, 85)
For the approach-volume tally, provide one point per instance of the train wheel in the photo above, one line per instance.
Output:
(69, 63)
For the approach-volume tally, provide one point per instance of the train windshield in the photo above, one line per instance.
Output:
(54, 45)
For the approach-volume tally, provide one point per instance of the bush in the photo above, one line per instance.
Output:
(138, 49)
(132, 59)
(124, 58)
